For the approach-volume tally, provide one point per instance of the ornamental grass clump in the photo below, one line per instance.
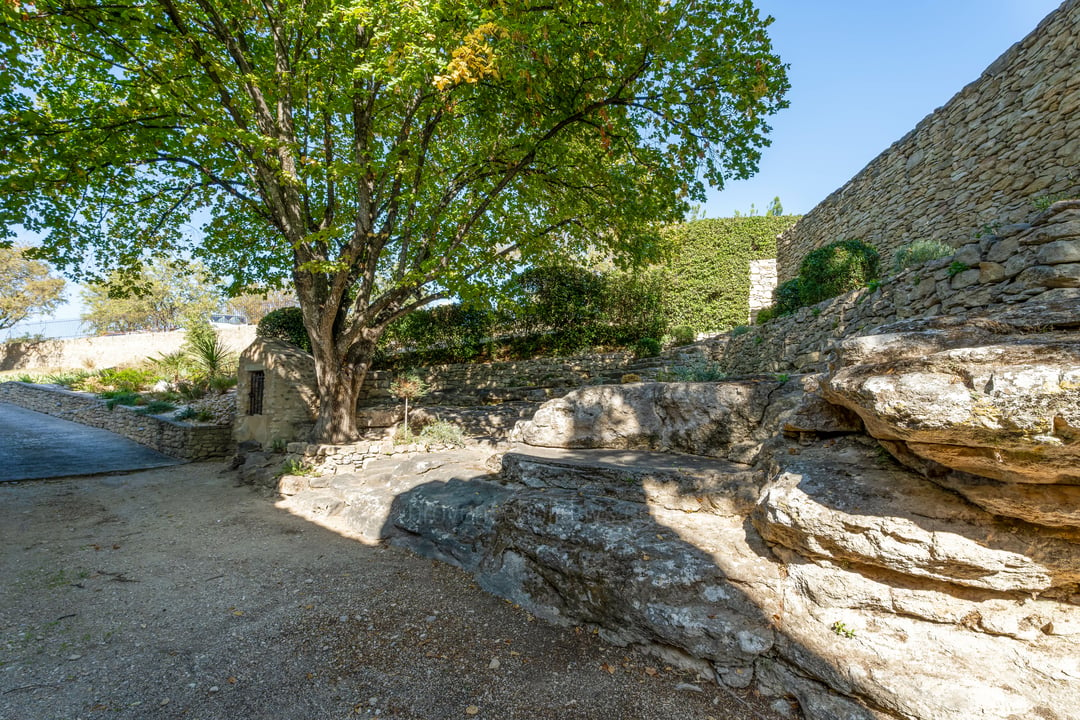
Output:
(919, 252)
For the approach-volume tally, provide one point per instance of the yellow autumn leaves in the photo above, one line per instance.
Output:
(474, 59)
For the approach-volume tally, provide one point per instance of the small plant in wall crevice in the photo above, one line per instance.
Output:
(842, 630)
(957, 267)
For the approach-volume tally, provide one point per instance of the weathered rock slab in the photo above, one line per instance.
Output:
(1050, 505)
(888, 518)
(725, 419)
(1006, 410)
(689, 483)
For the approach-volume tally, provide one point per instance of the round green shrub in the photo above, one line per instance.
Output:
(765, 315)
(285, 324)
(683, 335)
(787, 297)
(835, 269)
(647, 347)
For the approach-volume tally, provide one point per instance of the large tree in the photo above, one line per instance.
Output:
(27, 287)
(384, 153)
(164, 296)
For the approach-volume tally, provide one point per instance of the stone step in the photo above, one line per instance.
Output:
(488, 421)
(358, 504)
(689, 483)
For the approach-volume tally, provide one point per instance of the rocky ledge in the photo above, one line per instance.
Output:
(985, 414)
(839, 542)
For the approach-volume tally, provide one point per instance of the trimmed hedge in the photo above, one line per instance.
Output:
(462, 328)
(707, 276)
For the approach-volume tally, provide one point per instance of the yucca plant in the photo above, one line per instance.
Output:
(209, 354)
(175, 366)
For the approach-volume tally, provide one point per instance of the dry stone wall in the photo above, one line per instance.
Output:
(107, 350)
(175, 439)
(1027, 275)
(1005, 140)
(480, 383)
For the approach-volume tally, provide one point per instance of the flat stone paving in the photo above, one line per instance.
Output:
(34, 446)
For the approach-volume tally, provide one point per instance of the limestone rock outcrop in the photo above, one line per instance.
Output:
(825, 573)
(891, 519)
(1001, 407)
(725, 419)
(896, 539)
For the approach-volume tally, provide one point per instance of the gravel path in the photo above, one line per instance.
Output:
(172, 593)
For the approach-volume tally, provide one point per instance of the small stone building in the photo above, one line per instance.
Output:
(276, 397)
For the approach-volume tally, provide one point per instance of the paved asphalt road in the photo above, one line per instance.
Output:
(34, 445)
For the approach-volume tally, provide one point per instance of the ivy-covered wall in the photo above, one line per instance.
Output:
(708, 273)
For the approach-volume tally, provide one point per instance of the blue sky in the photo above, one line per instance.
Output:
(863, 73)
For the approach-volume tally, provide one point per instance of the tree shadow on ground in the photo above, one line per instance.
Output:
(698, 588)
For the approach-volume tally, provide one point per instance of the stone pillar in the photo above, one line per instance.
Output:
(762, 284)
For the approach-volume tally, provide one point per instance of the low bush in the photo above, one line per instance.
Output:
(683, 335)
(442, 432)
(120, 397)
(193, 413)
(647, 347)
(765, 315)
(824, 273)
(787, 296)
(836, 269)
(127, 379)
(156, 407)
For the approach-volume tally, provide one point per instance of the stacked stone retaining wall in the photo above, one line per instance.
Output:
(1004, 141)
(482, 383)
(1028, 272)
(169, 437)
(108, 350)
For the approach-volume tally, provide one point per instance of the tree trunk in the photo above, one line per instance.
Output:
(339, 381)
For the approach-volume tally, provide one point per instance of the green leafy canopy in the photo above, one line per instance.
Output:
(380, 153)
(27, 287)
